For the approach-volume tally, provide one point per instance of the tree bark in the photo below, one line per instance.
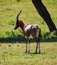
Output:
(44, 14)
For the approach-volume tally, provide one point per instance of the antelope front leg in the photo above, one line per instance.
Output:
(26, 45)
(28, 49)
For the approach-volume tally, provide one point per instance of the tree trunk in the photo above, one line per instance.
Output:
(44, 14)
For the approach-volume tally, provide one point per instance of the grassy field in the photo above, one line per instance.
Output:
(13, 54)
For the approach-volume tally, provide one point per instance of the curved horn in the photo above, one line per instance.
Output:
(19, 14)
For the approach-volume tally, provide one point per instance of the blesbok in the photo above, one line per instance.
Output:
(29, 30)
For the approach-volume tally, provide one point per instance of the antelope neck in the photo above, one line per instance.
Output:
(22, 25)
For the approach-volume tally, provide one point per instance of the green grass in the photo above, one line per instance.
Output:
(13, 54)
(10, 8)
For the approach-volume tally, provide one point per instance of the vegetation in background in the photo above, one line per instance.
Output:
(10, 8)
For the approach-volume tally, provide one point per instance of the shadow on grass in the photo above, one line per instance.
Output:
(12, 39)
(38, 53)
(52, 39)
(21, 39)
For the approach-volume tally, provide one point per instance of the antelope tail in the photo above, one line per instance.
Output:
(19, 14)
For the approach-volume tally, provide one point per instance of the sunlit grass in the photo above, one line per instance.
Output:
(10, 8)
(14, 54)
